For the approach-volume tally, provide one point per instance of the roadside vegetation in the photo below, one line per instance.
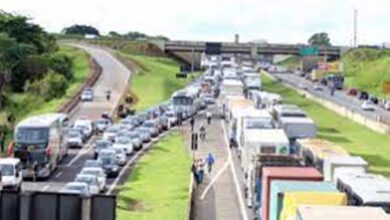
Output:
(158, 186)
(355, 138)
(367, 69)
(154, 79)
(291, 63)
(36, 75)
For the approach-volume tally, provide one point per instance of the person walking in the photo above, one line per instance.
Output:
(192, 122)
(208, 116)
(210, 162)
(194, 171)
(202, 133)
(201, 171)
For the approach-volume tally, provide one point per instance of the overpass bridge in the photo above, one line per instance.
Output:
(253, 49)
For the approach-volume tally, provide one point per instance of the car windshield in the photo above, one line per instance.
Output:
(170, 114)
(123, 141)
(134, 135)
(119, 150)
(101, 122)
(32, 135)
(85, 179)
(7, 169)
(91, 172)
(259, 124)
(149, 124)
(102, 144)
(74, 134)
(107, 160)
(92, 163)
(75, 187)
(294, 115)
(113, 129)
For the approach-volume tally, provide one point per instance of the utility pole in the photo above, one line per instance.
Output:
(192, 60)
(355, 14)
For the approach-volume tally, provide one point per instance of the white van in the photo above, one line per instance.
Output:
(11, 172)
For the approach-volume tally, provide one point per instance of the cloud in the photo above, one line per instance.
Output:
(274, 20)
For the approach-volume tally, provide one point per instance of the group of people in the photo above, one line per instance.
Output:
(198, 167)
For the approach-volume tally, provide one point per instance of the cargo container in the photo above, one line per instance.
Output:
(292, 200)
(283, 173)
(366, 190)
(314, 151)
(282, 186)
(317, 212)
(335, 166)
(294, 122)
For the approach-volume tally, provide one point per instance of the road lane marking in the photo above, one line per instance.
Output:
(85, 150)
(58, 174)
(226, 165)
(244, 214)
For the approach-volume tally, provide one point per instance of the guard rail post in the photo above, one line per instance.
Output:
(85, 208)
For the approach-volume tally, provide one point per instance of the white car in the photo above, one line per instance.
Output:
(172, 118)
(11, 173)
(111, 132)
(91, 180)
(367, 105)
(124, 143)
(120, 155)
(76, 188)
(85, 125)
(102, 124)
(87, 95)
(317, 87)
(99, 173)
(75, 139)
(127, 124)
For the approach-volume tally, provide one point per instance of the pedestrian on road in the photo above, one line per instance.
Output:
(192, 122)
(202, 133)
(2, 140)
(208, 116)
(201, 171)
(194, 170)
(210, 162)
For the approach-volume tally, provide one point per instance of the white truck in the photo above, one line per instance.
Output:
(231, 87)
(264, 99)
(294, 121)
(252, 81)
(11, 174)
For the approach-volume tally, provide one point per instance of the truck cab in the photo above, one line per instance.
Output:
(11, 173)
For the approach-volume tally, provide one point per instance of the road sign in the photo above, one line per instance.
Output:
(386, 87)
(308, 51)
(213, 48)
(194, 141)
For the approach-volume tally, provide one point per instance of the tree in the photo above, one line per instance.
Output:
(114, 34)
(81, 30)
(319, 39)
(62, 64)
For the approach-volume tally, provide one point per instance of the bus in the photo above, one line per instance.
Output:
(40, 142)
(187, 101)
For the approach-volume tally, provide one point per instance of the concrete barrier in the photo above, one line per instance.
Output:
(373, 125)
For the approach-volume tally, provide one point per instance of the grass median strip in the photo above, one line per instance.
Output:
(158, 185)
(154, 80)
(355, 138)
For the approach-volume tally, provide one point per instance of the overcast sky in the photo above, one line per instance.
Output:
(277, 21)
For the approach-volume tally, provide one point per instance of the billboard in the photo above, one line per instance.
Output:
(330, 67)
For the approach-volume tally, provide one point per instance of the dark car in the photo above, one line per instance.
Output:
(374, 99)
(362, 95)
(352, 92)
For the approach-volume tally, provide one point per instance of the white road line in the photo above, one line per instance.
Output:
(244, 214)
(58, 174)
(86, 149)
(214, 180)
(46, 187)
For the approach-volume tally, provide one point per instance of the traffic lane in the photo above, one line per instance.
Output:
(339, 97)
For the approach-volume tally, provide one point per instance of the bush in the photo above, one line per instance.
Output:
(54, 85)
(62, 64)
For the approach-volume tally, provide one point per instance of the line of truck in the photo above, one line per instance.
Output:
(289, 172)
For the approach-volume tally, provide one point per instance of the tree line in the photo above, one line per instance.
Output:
(30, 60)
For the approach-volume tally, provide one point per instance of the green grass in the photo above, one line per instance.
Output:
(292, 62)
(155, 79)
(355, 138)
(158, 186)
(367, 69)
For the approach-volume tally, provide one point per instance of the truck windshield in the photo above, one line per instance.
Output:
(260, 124)
(7, 169)
(31, 135)
(182, 100)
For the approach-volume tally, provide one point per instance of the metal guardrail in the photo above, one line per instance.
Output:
(96, 71)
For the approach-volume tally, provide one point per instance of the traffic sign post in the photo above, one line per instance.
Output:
(309, 51)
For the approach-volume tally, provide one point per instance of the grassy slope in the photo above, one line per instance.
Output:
(355, 138)
(292, 63)
(155, 80)
(158, 187)
(35, 105)
(367, 69)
